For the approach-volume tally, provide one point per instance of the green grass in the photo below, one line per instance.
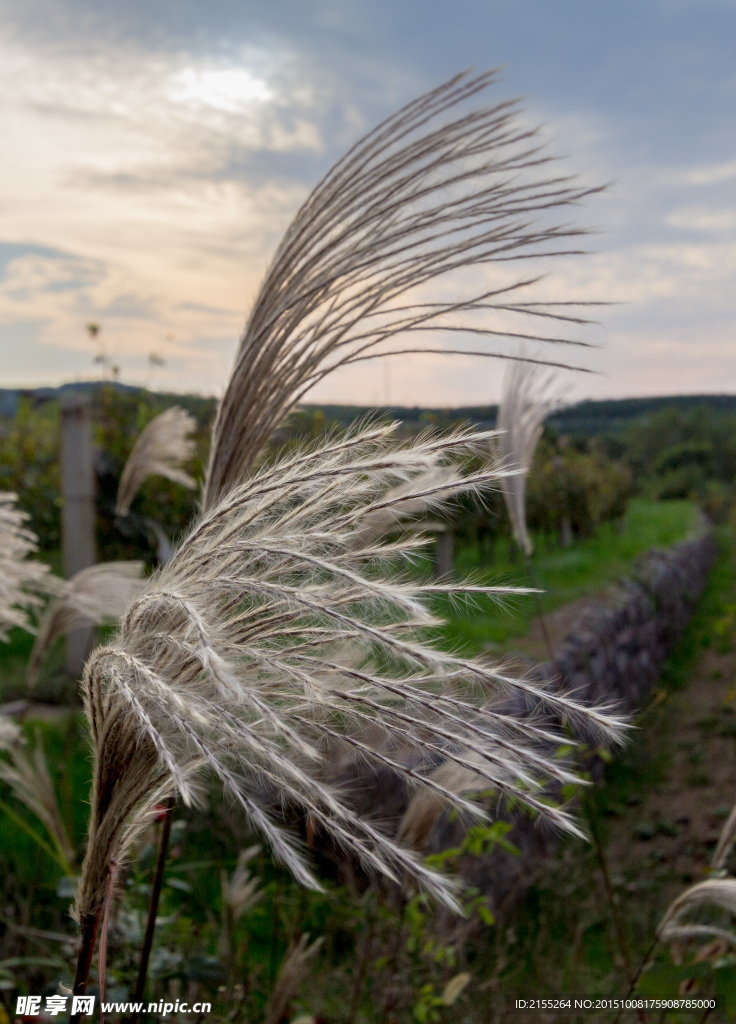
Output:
(565, 574)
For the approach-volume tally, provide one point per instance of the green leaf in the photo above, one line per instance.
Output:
(724, 984)
(663, 980)
(485, 915)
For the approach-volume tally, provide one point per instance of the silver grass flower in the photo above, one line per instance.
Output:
(291, 974)
(27, 774)
(529, 396)
(718, 893)
(10, 733)
(161, 450)
(22, 580)
(232, 661)
(241, 890)
(715, 892)
(725, 843)
(367, 266)
(97, 595)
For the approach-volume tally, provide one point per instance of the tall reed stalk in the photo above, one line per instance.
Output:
(283, 632)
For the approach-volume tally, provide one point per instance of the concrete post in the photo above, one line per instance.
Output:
(78, 507)
(445, 554)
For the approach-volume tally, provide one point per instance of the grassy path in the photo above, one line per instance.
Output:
(566, 574)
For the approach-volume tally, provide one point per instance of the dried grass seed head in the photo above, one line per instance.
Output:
(529, 395)
(96, 595)
(162, 449)
(715, 893)
(233, 659)
(22, 580)
(441, 187)
(27, 774)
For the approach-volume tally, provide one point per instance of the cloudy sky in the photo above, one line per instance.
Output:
(154, 153)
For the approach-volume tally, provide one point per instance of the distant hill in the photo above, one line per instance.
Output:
(10, 397)
(588, 418)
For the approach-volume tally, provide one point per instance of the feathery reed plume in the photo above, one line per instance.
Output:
(161, 450)
(291, 974)
(27, 775)
(97, 595)
(10, 733)
(725, 842)
(230, 662)
(426, 806)
(715, 892)
(439, 187)
(22, 580)
(528, 398)
(241, 891)
(409, 501)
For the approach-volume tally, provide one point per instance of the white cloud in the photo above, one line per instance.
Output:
(132, 169)
(228, 89)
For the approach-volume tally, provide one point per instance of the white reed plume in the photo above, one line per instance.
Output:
(439, 187)
(97, 595)
(529, 396)
(10, 733)
(725, 842)
(27, 774)
(22, 580)
(717, 893)
(291, 974)
(241, 891)
(161, 450)
(231, 661)
(409, 500)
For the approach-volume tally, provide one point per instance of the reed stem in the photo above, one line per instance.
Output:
(84, 960)
(540, 616)
(634, 981)
(610, 896)
(163, 847)
(360, 974)
(102, 954)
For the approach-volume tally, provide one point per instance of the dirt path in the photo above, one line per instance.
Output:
(678, 821)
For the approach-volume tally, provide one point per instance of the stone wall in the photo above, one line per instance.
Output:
(615, 654)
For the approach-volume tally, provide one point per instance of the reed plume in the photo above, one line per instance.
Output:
(27, 774)
(717, 893)
(725, 843)
(291, 974)
(439, 188)
(22, 580)
(528, 398)
(161, 450)
(97, 595)
(280, 632)
(241, 890)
